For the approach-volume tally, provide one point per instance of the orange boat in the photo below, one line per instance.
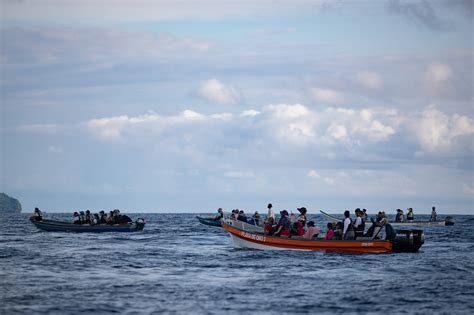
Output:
(247, 239)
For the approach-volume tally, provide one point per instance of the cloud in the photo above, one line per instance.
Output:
(327, 96)
(438, 73)
(215, 91)
(313, 174)
(369, 80)
(442, 134)
(422, 13)
(116, 127)
(250, 113)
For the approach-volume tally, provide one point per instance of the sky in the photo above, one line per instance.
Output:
(187, 106)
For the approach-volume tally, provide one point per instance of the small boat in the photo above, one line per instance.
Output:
(208, 221)
(447, 221)
(405, 241)
(60, 226)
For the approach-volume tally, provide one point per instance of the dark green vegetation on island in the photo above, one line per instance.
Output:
(9, 204)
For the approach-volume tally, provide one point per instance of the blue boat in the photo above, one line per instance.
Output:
(60, 226)
(208, 221)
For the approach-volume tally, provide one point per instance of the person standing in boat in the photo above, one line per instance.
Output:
(434, 215)
(37, 215)
(359, 224)
(270, 213)
(410, 215)
(348, 230)
(302, 216)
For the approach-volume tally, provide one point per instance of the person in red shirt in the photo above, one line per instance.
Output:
(330, 232)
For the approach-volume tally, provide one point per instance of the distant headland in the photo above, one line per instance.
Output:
(9, 204)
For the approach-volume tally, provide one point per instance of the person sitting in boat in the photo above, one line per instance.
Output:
(330, 233)
(37, 215)
(94, 219)
(219, 216)
(410, 215)
(338, 231)
(399, 216)
(102, 217)
(82, 217)
(268, 226)
(75, 218)
(348, 230)
(297, 228)
(235, 214)
(283, 226)
(302, 217)
(110, 218)
(88, 217)
(292, 217)
(242, 217)
(366, 216)
(255, 219)
(359, 224)
(123, 218)
(312, 231)
(434, 215)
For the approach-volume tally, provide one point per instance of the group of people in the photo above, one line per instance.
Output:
(290, 225)
(400, 217)
(113, 217)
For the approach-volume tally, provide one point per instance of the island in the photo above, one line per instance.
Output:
(9, 204)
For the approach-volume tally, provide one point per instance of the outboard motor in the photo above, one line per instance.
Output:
(449, 220)
(408, 240)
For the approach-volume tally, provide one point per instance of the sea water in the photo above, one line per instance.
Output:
(177, 265)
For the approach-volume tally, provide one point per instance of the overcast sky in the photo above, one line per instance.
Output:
(188, 106)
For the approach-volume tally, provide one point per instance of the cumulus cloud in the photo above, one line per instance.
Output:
(313, 174)
(327, 96)
(440, 133)
(215, 91)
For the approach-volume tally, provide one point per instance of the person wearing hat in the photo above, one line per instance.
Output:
(270, 213)
(302, 216)
(410, 215)
(283, 226)
(312, 231)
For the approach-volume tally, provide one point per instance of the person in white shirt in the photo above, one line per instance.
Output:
(348, 231)
(270, 213)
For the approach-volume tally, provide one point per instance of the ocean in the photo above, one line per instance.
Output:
(176, 265)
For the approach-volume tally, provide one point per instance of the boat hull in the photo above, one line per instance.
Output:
(208, 222)
(396, 224)
(245, 239)
(60, 226)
